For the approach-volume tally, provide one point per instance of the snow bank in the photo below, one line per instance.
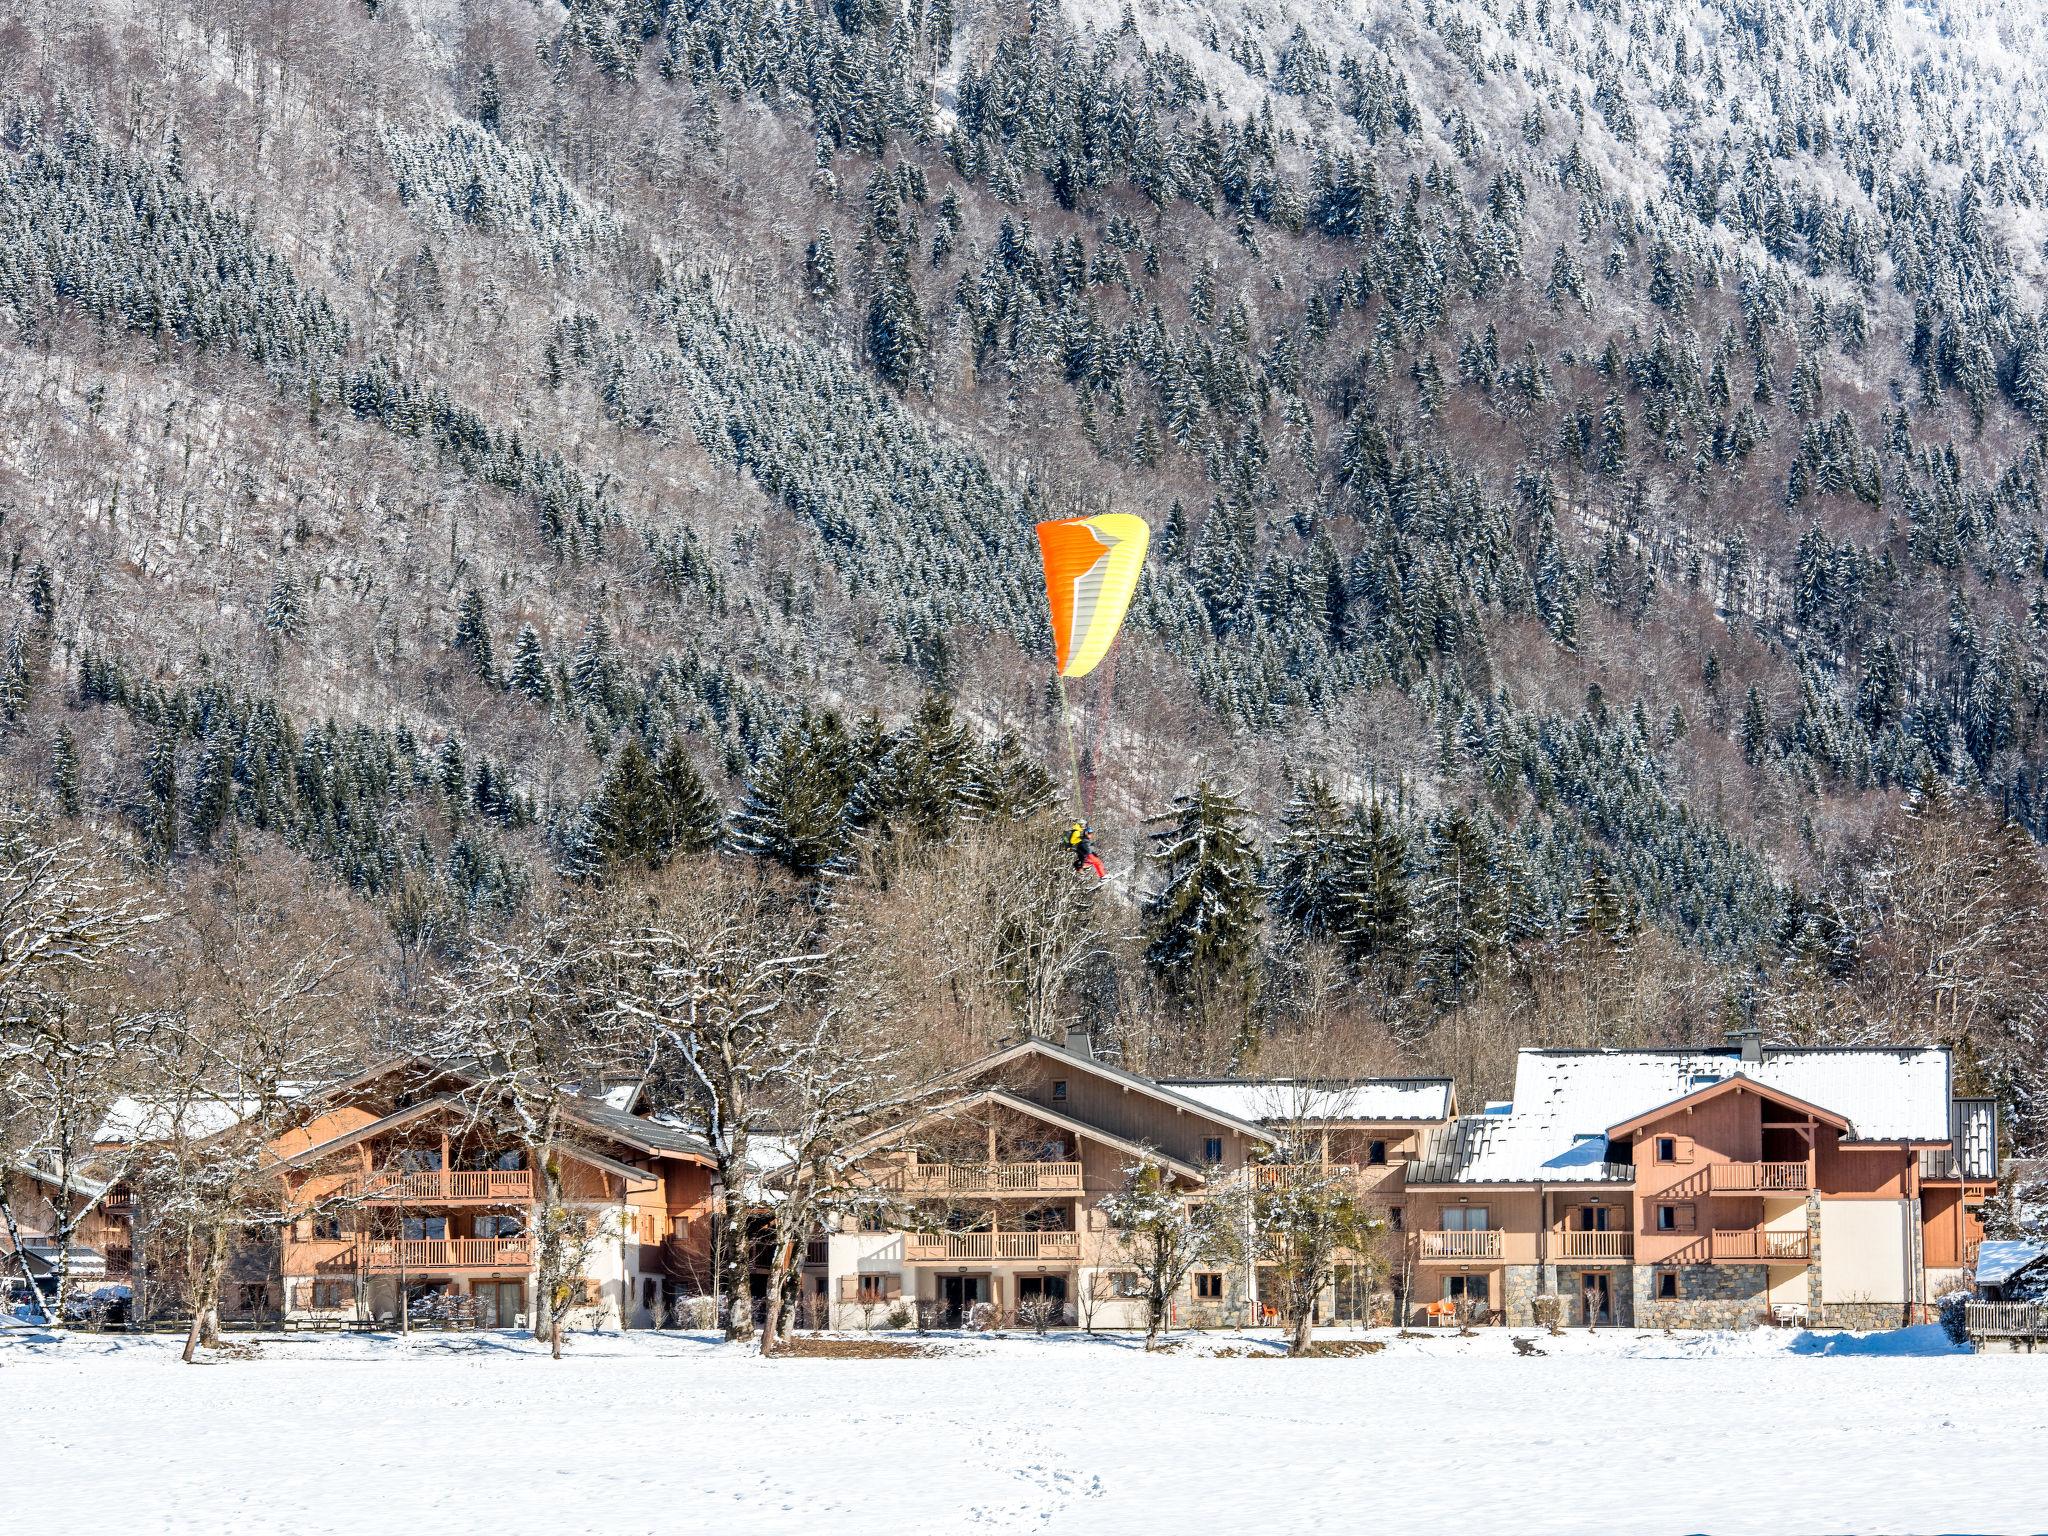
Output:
(480, 1433)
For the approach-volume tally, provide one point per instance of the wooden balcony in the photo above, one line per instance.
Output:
(1460, 1245)
(1362, 1177)
(941, 1247)
(445, 1186)
(384, 1255)
(1759, 1245)
(927, 1180)
(1596, 1247)
(1757, 1178)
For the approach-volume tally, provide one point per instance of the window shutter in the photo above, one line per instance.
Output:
(1685, 1145)
(892, 1287)
(302, 1294)
(1683, 1218)
(846, 1287)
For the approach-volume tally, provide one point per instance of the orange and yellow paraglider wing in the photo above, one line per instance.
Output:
(1091, 570)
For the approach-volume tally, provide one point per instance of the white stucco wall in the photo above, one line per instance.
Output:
(1863, 1250)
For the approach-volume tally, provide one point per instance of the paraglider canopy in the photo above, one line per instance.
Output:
(1091, 569)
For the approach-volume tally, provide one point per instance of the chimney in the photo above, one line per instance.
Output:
(1080, 1042)
(1749, 1040)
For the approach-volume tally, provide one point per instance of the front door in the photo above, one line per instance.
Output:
(1598, 1302)
(959, 1295)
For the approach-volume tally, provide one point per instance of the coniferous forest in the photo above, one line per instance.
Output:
(463, 457)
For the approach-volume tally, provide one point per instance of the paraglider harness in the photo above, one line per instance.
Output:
(1082, 841)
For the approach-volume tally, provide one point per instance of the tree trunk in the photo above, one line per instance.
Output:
(205, 1329)
(778, 1283)
(35, 1293)
(1301, 1330)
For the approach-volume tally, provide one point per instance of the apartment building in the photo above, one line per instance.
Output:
(411, 1201)
(1684, 1188)
(994, 1199)
(1707, 1188)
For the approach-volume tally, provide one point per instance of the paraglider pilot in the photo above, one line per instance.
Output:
(1082, 840)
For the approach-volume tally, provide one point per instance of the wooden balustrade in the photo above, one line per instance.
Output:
(939, 1247)
(1363, 1176)
(445, 1186)
(929, 1179)
(1461, 1245)
(1756, 1178)
(386, 1254)
(1760, 1243)
(1596, 1245)
(2010, 1319)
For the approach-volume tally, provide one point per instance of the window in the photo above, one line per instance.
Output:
(326, 1229)
(1397, 1218)
(1376, 1154)
(499, 1226)
(874, 1288)
(1059, 1090)
(1675, 1218)
(1667, 1149)
(1472, 1288)
(331, 1294)
(1591, 1218)
(1667, 1285)
(874, 1219)
(423, 1229)
(647, 1295)
(1127, 1284)
(1209, 1286)
(1464, 1218)
(1212, 1150)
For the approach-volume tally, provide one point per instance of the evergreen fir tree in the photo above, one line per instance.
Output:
(1309, 862)
(696, 824)
(797, 807)
(530, 667)
(630, 819)
(1202, 920)
(1462, 912)
(473, 635)
(64, 774)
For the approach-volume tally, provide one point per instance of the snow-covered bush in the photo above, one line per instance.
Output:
(981, 1317)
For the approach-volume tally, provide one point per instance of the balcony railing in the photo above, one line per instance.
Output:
(929, 1179)
(1362, 1176)
(938, 1247)
(1761, 1243)
(385, 1254)
(445, 1186)
(1461, 1245)
(1756, 1178)
(1616, 1246)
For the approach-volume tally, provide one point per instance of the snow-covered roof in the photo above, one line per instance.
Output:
(1268, 1099)
(1566, 1101)
(1998, 1260)
(131, 1119)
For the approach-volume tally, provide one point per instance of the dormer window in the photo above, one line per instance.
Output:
(1212, 1151)
(1059, 1090)
(1667, 1149)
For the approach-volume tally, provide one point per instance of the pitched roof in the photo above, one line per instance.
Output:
(1048, 1116)
(1279, 1098)
(1158, 1090)
(1999, 1259)
(656, 1137)
(1566, 1101)
(1719, 1086)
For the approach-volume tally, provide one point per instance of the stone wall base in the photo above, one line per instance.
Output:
(1709, 1296)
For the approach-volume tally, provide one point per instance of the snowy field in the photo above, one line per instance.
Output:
(458, 1434)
